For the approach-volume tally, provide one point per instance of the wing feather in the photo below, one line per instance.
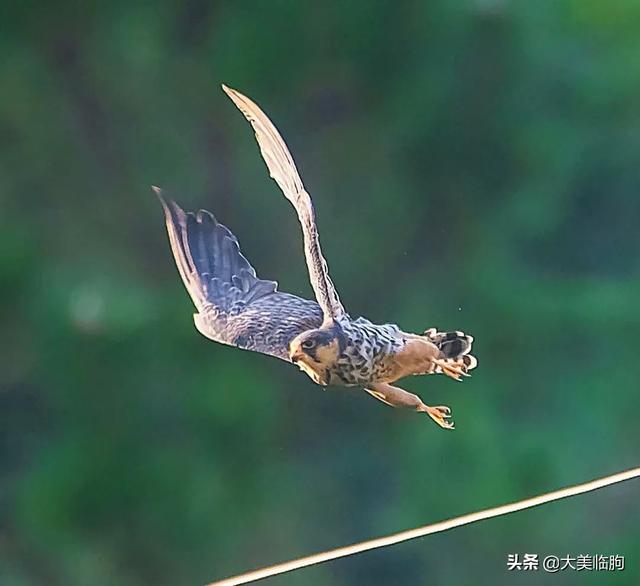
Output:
(283, 170)
(235, 307)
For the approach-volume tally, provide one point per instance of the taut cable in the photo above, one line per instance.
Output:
(341, 552)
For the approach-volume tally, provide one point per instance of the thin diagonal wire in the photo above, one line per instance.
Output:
(388, 540)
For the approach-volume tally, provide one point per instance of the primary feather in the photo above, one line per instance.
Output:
(283, 170)
(235, 307)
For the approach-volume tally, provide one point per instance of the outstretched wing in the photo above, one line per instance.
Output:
(234, 306)
(283, 170)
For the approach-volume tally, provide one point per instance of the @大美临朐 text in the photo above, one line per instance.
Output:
(531, 562)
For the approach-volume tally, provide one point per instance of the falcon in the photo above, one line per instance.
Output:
(236, 307)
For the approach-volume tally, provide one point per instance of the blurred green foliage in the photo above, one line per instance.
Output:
(475, 164)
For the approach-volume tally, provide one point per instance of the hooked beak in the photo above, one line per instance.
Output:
(296, 356)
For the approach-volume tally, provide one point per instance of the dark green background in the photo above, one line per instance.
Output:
(474, 164)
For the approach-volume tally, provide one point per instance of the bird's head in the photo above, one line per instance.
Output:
(316, 351)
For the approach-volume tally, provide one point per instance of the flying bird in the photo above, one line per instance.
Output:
(236, 307)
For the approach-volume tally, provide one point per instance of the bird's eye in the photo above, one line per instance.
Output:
(308, 344)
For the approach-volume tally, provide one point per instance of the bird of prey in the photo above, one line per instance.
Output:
(236, 307)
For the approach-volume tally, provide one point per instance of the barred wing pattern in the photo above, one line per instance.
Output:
(283, 170)
(234, 306)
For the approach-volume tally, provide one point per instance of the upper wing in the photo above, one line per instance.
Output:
(234, 306)
(283, 170)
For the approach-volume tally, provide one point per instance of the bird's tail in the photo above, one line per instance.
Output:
(455, 349)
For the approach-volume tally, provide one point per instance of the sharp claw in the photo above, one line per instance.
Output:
(454, 371)
(440, 415)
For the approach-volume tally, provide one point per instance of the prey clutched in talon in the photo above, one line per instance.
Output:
(439, 414)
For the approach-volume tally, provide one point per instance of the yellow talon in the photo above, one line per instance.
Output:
(439, 414)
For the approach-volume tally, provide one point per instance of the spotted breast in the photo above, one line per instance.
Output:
(368, 353)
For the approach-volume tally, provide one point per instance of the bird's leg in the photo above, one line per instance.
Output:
(397, 397)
